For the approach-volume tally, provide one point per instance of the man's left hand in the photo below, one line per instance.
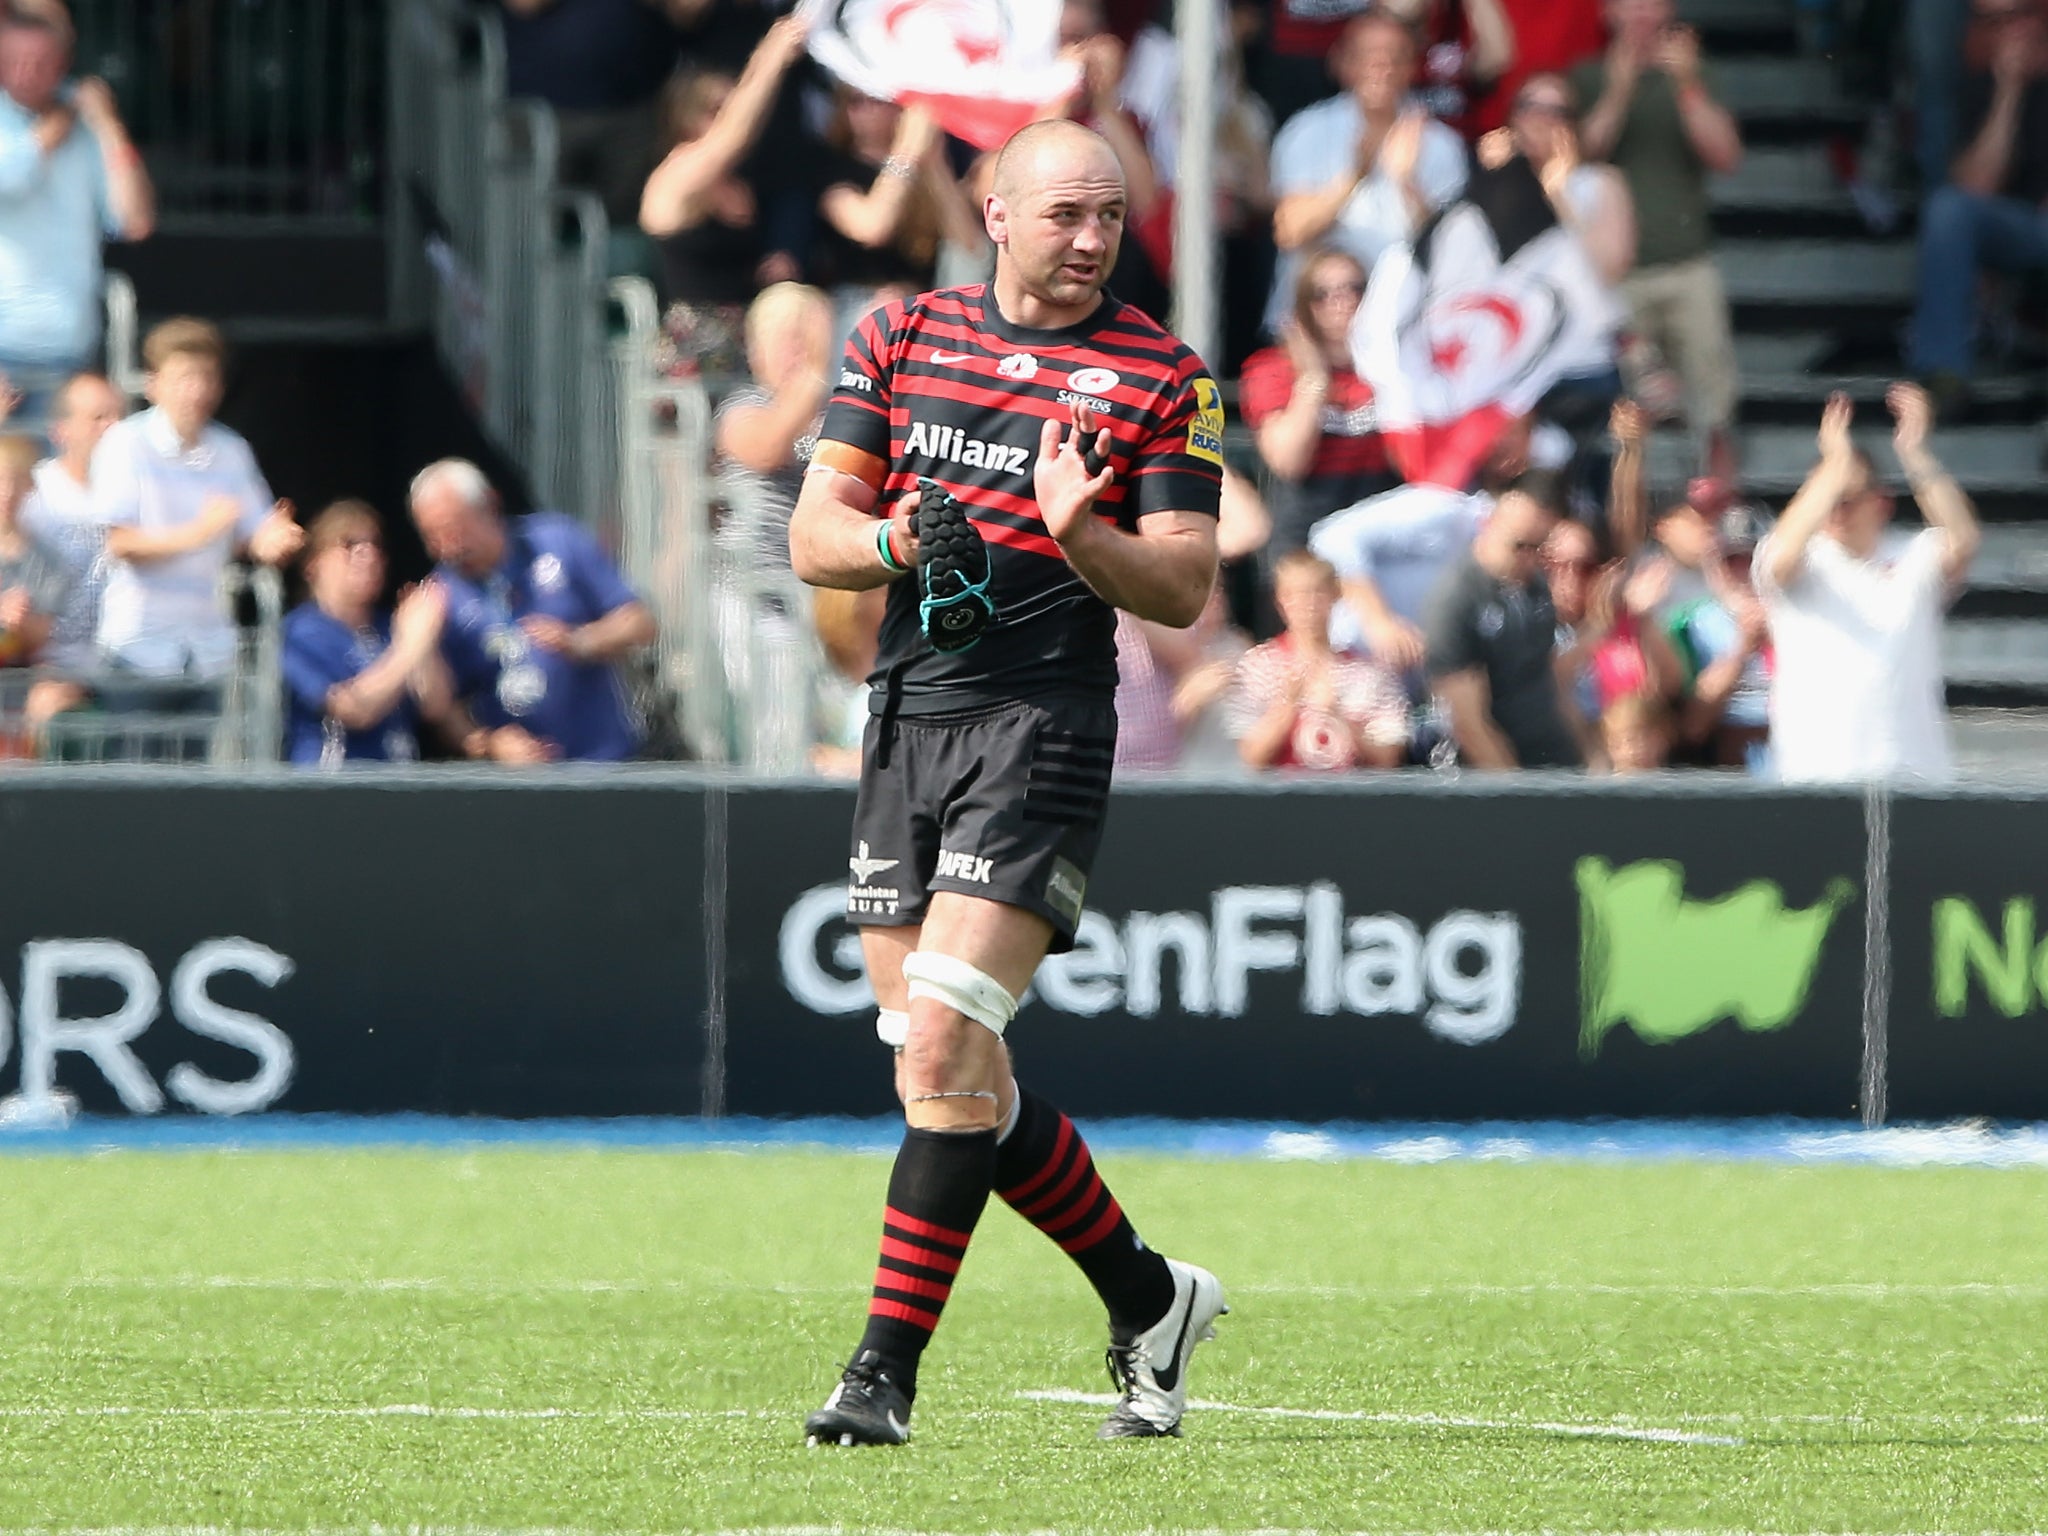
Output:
(1678, 54)
(551, 634)
(1913, 412)
(95, 104)
(1065, 489)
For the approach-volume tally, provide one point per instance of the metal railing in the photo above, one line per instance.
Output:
(154, 723)
(505, 268)
(248, 109)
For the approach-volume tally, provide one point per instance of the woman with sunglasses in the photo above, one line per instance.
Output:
(359, 679)
(1310, 412)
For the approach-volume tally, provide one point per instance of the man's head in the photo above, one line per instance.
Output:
(456, 512)
(35, 57)
(345, 556)
(1687, 528)
(1544, 107)
(1864, 513)
(789, 333)
(84, 408)
(1636, 730)
(1509, 545)
(1638, 23)
(1737, 532)
(186, 362)
(1056, 213)
(1305, 592)
(18, 456)
(1375, 61)
(1079, 21)
(2012, 28)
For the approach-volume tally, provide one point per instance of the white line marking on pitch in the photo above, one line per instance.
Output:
(1427, 1420)
(1875, 1290)
(375, 1411)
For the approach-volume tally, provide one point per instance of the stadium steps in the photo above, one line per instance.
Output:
(1821, 300)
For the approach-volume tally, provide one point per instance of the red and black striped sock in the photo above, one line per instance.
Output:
(937, 1191)
(1045, 1173)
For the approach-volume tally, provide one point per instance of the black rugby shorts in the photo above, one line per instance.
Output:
(1004, 802)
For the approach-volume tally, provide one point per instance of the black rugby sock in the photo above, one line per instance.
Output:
(937, 1192)
(1046, 1174)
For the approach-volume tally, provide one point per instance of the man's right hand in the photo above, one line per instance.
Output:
(94, 102)
(53, 128)
(1397, 643)
(13, 608)
(517, 745)
(1836, 446)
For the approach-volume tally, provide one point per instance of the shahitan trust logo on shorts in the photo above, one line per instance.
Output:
(863, 897)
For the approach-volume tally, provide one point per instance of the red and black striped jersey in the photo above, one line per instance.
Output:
(943, 386)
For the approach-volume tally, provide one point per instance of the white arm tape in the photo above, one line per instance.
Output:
(962, 987)
(892, 1027)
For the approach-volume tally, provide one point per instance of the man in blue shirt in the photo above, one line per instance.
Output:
(359, 679)
(68, 177)
(537, 617)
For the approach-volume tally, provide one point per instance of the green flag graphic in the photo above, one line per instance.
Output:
(1668, 966)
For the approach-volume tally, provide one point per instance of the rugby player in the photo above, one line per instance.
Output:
(1019, 459)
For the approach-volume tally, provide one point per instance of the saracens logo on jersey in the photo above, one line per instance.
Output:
(943, 442)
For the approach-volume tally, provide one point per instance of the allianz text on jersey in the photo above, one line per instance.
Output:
(1461, 976)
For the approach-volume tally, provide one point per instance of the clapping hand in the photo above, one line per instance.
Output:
(1913, 417)
(278, 537)
(14, 608)
(1065, 488)
(1646, 587)
(551, 634)
(1678, 54)
(1836, 446)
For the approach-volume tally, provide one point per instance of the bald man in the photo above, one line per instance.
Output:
(1070, 454)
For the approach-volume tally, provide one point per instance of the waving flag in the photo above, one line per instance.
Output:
(1465, 330)
(983, 68)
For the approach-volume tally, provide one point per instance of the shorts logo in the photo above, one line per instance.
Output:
(1018, 366)
(1065, 889)
(1205, 428)
(1093, 381)
(943, 442)
(848, 379)
(865, 900)
(963, 866)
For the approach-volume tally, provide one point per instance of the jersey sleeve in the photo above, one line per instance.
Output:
(1179, 468)
(597, 578)
(855, 434)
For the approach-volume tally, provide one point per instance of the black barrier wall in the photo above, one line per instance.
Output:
(661, 942)
(469, 946)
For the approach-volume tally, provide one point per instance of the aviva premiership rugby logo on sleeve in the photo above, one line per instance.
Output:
(1205, 428)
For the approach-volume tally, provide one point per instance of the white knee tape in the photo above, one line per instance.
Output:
(892, 1027)
(962, 987)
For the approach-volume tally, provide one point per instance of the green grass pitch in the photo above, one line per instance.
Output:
(626, 1341)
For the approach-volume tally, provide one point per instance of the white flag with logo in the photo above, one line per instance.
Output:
(1464, 331)
(983, 68)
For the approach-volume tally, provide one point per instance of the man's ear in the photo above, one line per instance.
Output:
(995, 218)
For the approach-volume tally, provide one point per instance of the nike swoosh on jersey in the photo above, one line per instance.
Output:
(950, 357)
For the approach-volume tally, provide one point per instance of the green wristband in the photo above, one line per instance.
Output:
(889, 560)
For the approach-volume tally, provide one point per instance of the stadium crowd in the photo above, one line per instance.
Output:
(1560, 610)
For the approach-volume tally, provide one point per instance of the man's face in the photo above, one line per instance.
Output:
(457, 532)
(1336, 288)
(1687, 537)
(1864, 512)
(33, 63)
(349, 574)
(1638, 22)
(1516, 534)
(89, 407)
(1306, 599)
(1061, 230)
(187, 388)
(1377, 65)
(1542, 108)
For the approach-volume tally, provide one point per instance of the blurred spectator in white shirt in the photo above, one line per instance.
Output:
(61, 516)
(179, 494)
(1858, 692)
(1364, 169)
(1300, 704)
(69, 177)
